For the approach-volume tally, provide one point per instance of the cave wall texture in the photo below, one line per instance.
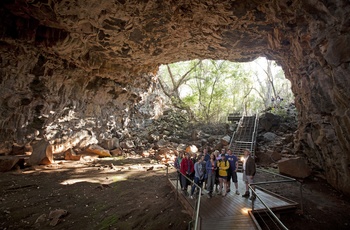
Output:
(76, 71)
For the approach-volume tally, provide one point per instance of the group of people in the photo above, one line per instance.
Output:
(276, 102)
(214, 171)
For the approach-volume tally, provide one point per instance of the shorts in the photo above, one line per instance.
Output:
(248, 179)
(223, 177)
(232, 175)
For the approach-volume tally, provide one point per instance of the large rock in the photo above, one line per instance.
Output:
(7, 162)
(42, 153)
(295, 167)
(269, 136)
(98, 150)
(225, 140)
(111, 143)
(269, 122)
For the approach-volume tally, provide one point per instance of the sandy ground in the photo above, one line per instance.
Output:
(101, 194)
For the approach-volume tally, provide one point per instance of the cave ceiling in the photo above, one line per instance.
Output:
(140, 35)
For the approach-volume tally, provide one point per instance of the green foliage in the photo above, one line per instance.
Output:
(280, 112)
(213, 89)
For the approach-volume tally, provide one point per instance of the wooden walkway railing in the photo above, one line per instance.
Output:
(231, 211)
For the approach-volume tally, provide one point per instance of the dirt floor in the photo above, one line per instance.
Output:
(100, 194)
(134, 193)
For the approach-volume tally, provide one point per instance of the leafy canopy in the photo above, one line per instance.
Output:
(211, 89)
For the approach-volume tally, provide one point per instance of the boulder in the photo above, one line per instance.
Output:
(21, 150)
(269, 122)
(110, 144)
(129, 144)
(70, 155)
(161, 143)
(42, 153)
(7, 162)
(269, 136)
(225, 140)
(294, 167)
(191, 149)
(181, 147)
(98, 150)
(211, 139)
(117, 152)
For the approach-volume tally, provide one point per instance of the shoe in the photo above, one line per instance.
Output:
(246, 195)
(209, 195)
(191, 197)
(228, 190)
(237, 193)
(224, 194)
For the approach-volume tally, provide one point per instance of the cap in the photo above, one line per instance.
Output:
(223, 155)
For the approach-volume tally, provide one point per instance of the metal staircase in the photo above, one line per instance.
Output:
(245, 135)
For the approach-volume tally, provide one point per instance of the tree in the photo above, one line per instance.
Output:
(210, 89)
(172, 88)
(271, 84)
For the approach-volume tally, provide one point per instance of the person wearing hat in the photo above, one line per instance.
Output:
(249, 170)
(223, 166)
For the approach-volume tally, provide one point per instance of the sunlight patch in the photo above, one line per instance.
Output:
(245, 211)
(119, 178)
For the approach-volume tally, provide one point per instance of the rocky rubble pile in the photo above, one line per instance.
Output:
(276, 134)
(161, 139)
(276, 142)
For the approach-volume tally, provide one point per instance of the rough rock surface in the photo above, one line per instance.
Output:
(295, 167)
(85, 67)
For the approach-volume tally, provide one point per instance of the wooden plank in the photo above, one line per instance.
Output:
(231, 211)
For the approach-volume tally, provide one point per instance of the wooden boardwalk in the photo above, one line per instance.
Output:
(231, 211)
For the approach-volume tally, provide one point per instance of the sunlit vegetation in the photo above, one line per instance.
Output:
(211, 89)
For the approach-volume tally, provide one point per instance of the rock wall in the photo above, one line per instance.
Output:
(72, 66)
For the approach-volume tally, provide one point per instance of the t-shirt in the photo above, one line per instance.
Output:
(232, 159)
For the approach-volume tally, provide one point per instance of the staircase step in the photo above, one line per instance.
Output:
(244, 137)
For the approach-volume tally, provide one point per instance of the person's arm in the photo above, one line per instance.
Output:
(176, 163)
(208, 165)
(183, 166)
(250, 167)
(191, 167)
(196, 169)
(226, 165)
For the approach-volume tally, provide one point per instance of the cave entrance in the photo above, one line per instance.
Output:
(212, 89)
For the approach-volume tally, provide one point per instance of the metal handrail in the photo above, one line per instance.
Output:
(232, 138)
(234, 133)
(254, 135)
(245, 142)
(196, 210)
(267, 207)
(286, 179)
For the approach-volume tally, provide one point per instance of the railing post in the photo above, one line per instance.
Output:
(301, 197)
(197, 208)
(177, 185)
